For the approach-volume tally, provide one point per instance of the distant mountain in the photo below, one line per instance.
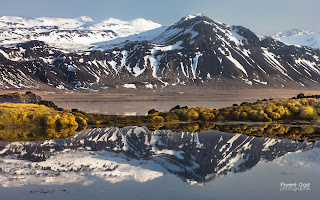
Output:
(299, 37)
(75, 34)
(141, 54)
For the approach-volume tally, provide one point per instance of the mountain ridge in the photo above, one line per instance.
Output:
(195, 50)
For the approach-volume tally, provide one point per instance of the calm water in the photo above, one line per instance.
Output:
(136, 163)
(141, 107)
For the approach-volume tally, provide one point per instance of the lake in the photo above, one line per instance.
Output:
(138, 163)
(141, 107)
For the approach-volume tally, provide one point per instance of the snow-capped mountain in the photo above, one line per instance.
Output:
(196, 50)
(116, 154)
(299, 37)
(73, 34)
(43, 22)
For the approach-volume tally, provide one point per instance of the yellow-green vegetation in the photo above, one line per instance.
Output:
(260, 111)
(186, 115)
(20, 121)
(177, 115)
(274, 110)
(58, 122)
(22, 115)
(85, 119)
(34, 134)
(308, 132)
(280, 131)
(183, 127)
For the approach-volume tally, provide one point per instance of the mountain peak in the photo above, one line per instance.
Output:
(85, 19)
(121, 22)
(125, 28)
(199, 18)
(194, 16)
(193, 30)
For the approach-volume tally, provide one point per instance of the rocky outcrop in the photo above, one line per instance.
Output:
(16, 97)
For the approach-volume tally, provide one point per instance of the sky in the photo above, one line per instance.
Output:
(264, 17)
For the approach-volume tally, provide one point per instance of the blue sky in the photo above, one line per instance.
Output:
(261, 16)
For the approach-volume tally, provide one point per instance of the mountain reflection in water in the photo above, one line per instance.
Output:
(137, 153)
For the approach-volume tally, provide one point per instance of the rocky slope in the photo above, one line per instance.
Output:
(196, 50)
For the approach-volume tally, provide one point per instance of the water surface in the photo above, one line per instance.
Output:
(140, 107)
(136, 163)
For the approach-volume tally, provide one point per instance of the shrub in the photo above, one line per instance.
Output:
(192, 115)
(206, 116)
(220, 118)
(243, 116)
(81, 122)
(49, 120)
(252, 115)
(2, 126)
(182, 114)
(170, 116)
(280, 110)
(274, 116)
(308, 112)
(294, 109)
(158, 119)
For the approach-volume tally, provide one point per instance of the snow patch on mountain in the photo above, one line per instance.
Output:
(130, 86)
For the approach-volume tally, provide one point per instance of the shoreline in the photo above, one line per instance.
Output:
(168, 94)
(30, 109)
(139, 101)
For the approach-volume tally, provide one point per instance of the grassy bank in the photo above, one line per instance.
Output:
(49, 115)
(306, 109)
(54, 122)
